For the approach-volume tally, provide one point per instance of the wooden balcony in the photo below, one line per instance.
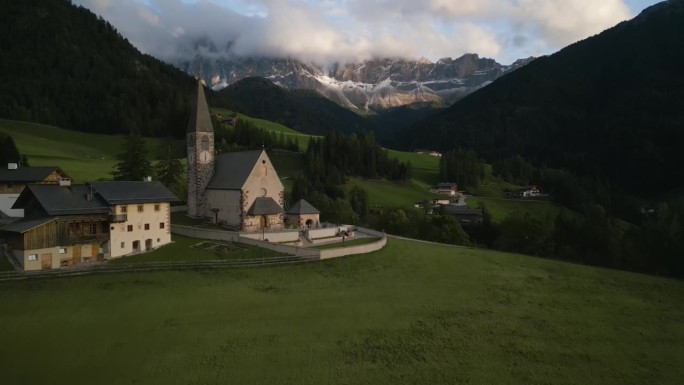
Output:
(99, 237)
(118, 218)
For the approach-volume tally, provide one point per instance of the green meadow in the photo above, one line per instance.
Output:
(424, 168)
(83, 156)
(499, 209)
(267, 125)
(392, 194)
(412, 313)
(192, 250)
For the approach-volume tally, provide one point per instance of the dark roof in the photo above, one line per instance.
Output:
(123, 192)
(26, 174)
(200, 121)
(302, 207)
(233, 169)
(62, 200)
(23, 226)
(264, 206)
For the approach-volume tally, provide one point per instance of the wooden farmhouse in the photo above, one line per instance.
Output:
(238, 189)
(64, 225)
(13, 179)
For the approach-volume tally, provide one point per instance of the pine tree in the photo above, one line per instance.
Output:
(132, 161)
(169, 168)
(9, 153)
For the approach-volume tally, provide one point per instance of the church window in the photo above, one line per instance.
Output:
(205, 144)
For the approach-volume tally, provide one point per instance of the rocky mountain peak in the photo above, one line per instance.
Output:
(361, 86)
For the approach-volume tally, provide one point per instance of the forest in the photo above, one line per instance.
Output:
(62, 65)
(608, 107)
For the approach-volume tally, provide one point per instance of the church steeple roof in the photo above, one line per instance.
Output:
(200, 121)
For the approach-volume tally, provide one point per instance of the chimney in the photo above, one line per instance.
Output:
(89, 194)
(12, 166)
(147, 179)
(64, 182)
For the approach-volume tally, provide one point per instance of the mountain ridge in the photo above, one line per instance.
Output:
(366, 86)
(610, 106)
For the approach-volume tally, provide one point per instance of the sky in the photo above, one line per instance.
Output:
(327, 31)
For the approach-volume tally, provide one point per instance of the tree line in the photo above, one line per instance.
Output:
(330, 161)
(9, 153)
(246, 135)
(604, 225)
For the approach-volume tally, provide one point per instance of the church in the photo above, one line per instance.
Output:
(238, 189)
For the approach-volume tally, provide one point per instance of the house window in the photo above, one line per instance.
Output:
(130, 228)
(161, 225)
(124, 209)
(123, 244)
(33, 257)
(147, 226)
(140, 208)
(158, 240)
(156, 207)
(62, 250)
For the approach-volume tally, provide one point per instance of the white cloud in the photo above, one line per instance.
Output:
(329, 30)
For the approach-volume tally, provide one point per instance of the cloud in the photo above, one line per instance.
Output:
(338, 30)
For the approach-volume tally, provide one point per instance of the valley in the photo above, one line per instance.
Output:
(329, 209)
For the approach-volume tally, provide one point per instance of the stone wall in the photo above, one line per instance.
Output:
(214, 235)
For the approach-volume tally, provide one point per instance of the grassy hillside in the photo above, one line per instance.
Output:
(302, 139)
(392, 194)
(411, 313)
(84, 156)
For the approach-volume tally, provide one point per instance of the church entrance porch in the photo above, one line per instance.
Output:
(263, 223)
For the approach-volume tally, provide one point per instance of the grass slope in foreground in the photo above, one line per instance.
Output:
(411, 313)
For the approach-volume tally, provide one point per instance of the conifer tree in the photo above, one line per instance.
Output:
(133, 163)
(169, 168)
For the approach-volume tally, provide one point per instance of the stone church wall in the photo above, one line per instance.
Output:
(228, 203)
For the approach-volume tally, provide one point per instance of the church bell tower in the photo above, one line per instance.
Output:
(200, 146)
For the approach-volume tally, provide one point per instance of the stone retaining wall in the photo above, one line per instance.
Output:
(361, 249)
(214, 235)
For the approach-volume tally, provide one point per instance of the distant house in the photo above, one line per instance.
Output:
(531, 192)
(303, 215)
(13, 179)
(66, 225)
(450, 189)
(465, 215)
(427, 152)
